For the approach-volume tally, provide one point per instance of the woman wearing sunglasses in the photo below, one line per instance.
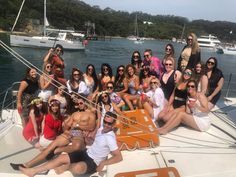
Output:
(54, 57)
(190, 54)
(153, 101)
(46, 83)
(215, 81)
(196, 115)
(178, 97)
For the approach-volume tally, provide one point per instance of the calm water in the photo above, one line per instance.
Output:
(114, 52)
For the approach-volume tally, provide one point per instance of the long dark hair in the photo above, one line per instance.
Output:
(94, 76)
(118, 78)
(139, 58)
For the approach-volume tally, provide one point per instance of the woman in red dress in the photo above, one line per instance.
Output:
(32, 130)
(52, 124)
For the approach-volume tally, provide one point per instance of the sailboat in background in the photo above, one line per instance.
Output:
(182, 40)
(135, 37)
(69, 39)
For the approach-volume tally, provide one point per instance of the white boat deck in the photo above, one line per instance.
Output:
(192, 153)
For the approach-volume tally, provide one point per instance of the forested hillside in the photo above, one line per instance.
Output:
(74, 13)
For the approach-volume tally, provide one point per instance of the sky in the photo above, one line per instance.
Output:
(213, 10)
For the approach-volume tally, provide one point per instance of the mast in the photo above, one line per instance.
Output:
(44, 19)
(12, 29)
(182, 34)
(136, 26)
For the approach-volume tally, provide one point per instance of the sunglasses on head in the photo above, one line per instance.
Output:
(108, 123)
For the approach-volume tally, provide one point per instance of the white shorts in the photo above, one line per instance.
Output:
(203, 121)
(45, 94)
(44, 142)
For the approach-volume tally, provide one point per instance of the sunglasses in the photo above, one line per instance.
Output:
(188, 73)
(168, 64)
(168, 49)
(191, 86)
(106, 122)
(146, 56)
(109, 87)
(90, 69)
(189, 39)
(136, 56)
(153, 82)
(105, 96)
(210, 62)
(105, 69)
(120, 69)
(76, 74)
(49, 66)
(80, 103)
(58, 50)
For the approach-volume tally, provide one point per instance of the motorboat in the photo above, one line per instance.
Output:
(226, 49)
(69, 39)
(209, 41)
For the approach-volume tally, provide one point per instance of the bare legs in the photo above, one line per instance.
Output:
(176, 119)
(60, 160)
(58, 142)
(128, 99)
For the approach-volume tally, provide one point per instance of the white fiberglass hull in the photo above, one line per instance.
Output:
(44, 42)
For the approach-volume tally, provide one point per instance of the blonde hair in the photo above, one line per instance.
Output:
(172, 60)
(195, 46)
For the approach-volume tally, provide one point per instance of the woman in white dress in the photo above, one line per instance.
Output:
(153, 101)
(196, 115)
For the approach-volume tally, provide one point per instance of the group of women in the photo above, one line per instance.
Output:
(183, 95)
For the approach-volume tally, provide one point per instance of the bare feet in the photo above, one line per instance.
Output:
(161, 131)
(27, 171)
(61, 169)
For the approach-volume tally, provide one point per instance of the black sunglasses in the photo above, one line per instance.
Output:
(108, 123)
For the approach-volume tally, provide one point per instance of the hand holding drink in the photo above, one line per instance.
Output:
(191, 102)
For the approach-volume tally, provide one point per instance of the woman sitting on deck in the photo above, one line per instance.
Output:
(196, 115)
(32, 130)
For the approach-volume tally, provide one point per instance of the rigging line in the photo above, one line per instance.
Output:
(225, 132)
(203, 145)
(28, 64)
(196, 139)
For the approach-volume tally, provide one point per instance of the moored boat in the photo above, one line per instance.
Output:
(209, 41)
(69, 39)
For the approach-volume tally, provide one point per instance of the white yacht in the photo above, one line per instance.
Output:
(69, 39)
(209, 41)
